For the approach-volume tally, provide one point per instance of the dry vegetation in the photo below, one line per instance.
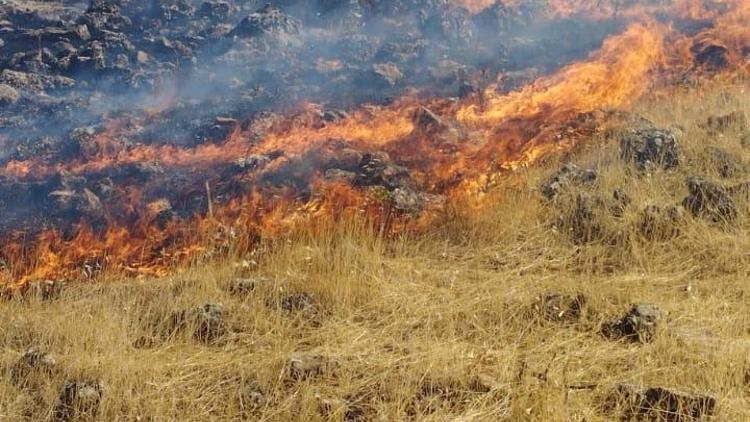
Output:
(439, 326)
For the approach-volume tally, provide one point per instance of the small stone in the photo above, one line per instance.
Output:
(8, 95)
(568, 175)
(251, 397)
(299, 302)
(302, 367)
(244, 286)
(710, 201)
(79, 400)
(34, 360)
(638, 325)
(559, 307)
(659, 403)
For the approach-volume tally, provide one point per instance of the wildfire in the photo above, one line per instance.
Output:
(451, 148)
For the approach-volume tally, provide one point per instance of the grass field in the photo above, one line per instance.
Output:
(442, 325)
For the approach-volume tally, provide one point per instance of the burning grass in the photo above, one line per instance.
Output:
(343, 323)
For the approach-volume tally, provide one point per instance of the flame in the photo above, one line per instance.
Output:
(463, 147)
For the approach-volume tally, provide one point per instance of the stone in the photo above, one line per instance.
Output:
(305, 366)
(661, 223)
(651, 148)
(662, 404)
(8, 95)
(639, 324)
(209, 323)
(299, 302)
(559, 307)
(387, 74)
(568, 175)
(251, 397)
(710, 201)
(244, 286)
(33, 361)
(79, 400)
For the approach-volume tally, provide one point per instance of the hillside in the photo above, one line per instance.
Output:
(518, 310)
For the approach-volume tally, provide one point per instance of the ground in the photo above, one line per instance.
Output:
(445, 324)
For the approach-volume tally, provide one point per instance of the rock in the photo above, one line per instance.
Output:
(8, 95)
(723, 123)
(338, 175)
(650, 148)
(661, 223)
(376, 170)
(407, 201)
(251, 397)
(712, 56)
(334, 115)
(299, 302)
(268, 22)
(559, 307)
(726, 164)
(584, 221)
(568, 175)
(141, 57)
(659, 403)
(710, 201)
(621, 202)
(216, 10)
(335, 408)
(251, 163)
(302, 366)
(244, 286)
(79, 400)
(638, 325)
(33, 361)
(387, 74)
(209, 323)
(206, 321)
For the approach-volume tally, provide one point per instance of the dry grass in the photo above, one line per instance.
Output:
(431, 327)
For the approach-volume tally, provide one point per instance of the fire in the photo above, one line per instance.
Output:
(453, 149)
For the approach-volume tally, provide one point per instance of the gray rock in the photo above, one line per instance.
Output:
(568, 175)
(387, 74)
(33, 361)
(79, 400)
(651, 148)
(639, 324)
(304, 366)
(8, 95)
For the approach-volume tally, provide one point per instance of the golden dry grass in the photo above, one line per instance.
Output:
(436, 326)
